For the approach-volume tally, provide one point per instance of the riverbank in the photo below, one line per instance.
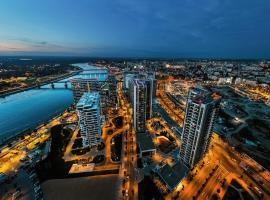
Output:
(23, 111)
(33, 86)
(8, 140)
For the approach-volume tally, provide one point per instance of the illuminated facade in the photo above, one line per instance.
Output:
(88, 110)
(82, 85)
(201, 111)
(128, 78)
(142, 93)
(112, 90)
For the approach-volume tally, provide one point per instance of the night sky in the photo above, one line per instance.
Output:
(136, 28)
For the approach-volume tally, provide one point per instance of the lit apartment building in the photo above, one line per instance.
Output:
(201, 111)
(128, 78)
(88, 110)
(112, 100)
(82, 85)
(142, 92)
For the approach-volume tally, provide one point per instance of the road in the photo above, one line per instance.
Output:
(227, 161)
(68, 156)
(129, 160)
(11, 156)
(108, 142)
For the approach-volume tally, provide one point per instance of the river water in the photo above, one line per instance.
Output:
(28, 109)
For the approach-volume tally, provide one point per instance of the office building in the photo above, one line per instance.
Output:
(88, 110)
(201, 111)
(82, 85)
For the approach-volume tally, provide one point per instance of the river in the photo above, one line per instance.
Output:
(28, 109)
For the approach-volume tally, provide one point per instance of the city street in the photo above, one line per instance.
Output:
(129, 158)
(12, 156)
(227, 161)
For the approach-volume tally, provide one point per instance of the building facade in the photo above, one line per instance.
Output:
(112, 101)
(89, 113)
(201, 112)
(82, 85)
(142, 93)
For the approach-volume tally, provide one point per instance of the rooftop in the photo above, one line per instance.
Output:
(145, 142)
(139, 82)
(80, 168)
(89, 99)
(172, 175)
(202, 95)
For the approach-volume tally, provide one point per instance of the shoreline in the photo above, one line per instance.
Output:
(25, 132)
(5, 94)
(6, 140)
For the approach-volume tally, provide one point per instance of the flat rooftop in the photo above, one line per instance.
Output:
(89, 100)
(145, 142)
(172, 175)
(202, 95)
(80, 168)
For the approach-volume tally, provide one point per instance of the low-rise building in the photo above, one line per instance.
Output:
(145, 144)
(171, 176)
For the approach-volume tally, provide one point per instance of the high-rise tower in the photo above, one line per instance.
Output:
(88, 110)
(142, 93)
(201, 111)
(112, 90)
(82, 85)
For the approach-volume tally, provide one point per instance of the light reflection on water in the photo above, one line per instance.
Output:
(25, 110)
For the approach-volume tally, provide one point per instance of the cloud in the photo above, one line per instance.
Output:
(152, 27)
(32, 42)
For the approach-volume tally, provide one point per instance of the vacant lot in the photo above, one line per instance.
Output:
(96, 187)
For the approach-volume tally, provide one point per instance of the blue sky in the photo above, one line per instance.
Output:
(136, 28)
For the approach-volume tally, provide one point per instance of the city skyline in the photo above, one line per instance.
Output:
(211, 29)
(134, 129)
(134, 99)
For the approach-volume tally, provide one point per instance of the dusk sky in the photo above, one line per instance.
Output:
(136, 28)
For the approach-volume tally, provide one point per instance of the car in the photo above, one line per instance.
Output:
(258, 191)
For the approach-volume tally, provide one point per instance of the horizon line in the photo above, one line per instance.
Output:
(142, 57)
